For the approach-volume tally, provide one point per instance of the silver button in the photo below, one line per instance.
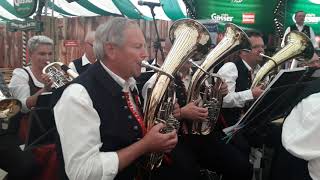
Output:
(130, 117)
(125, 107)
(135, 128)
(123, 97)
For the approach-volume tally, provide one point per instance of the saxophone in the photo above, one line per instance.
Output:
(233, 40)
(189, 37)
(296, 44)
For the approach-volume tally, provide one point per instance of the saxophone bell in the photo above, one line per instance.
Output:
(190, 37)
(235, 39)
(297, 44)
(9, 106)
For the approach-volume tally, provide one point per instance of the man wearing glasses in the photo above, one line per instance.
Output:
(81, 64)
(238, 75)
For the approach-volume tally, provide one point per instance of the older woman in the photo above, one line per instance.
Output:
(28, 83)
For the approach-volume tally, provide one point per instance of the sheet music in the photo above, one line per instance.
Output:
(273, 84)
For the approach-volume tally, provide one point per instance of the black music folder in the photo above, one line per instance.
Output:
(277, 100)
(41, 123)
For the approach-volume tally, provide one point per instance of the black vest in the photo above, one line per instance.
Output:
(118, 128)
(243, 82)
(305, 30)
(15, 121)
(32, 86)
(78, 64)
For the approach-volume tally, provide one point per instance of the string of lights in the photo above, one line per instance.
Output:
(279, 18)
(191, 8)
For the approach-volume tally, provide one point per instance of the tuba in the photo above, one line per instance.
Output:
(189, 37)
(9, 106)
(234, 40)
(59, 73)
(296, 44)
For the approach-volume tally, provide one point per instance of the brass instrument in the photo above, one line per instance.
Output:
(189, 37)
(59, 73)
(9, 106)
(233, 40)
(296, 44)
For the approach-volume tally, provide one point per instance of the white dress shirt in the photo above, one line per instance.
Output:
(301, 133)
(84, 61)
(312, 35)
(19, 85)
(78, 125)
(229, 73)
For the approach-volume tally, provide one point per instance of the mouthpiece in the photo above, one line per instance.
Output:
(156, 69)
(261, 54)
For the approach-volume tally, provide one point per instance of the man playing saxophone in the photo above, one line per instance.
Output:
(195, 151)
(238, 75)
(104, 137)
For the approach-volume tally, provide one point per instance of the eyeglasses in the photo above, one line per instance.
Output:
(258, 46)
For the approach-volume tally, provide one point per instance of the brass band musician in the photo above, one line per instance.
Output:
(98, 116)
(208, 151)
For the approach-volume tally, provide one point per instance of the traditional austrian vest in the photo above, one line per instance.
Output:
(305, 30)
(181, 91)
(119, 128)
(33, 87)
(243, 82)
(78, 64)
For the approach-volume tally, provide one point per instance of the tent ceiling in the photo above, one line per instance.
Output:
(171, 9)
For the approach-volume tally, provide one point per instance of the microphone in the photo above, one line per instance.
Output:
(150, 4)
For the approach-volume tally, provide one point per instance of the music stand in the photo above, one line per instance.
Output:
(41, 123)
(276, 101)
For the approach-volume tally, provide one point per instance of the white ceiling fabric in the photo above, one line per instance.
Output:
(105, 5)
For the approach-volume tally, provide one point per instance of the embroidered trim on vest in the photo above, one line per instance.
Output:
(136, 114)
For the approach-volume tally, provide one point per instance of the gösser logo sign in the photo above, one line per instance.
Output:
(25, 8)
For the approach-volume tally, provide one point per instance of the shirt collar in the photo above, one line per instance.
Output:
(247, 65)
(131, 83)
(85, 60)
(299, 25)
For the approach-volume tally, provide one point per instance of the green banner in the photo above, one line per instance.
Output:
(247, 14)
(310, 7)
(30, 25)
(25, 8)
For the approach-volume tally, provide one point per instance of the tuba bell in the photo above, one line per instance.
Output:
(233, 40)
(296, 44)
(189, 37)
(9, 106)
(59, 73)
